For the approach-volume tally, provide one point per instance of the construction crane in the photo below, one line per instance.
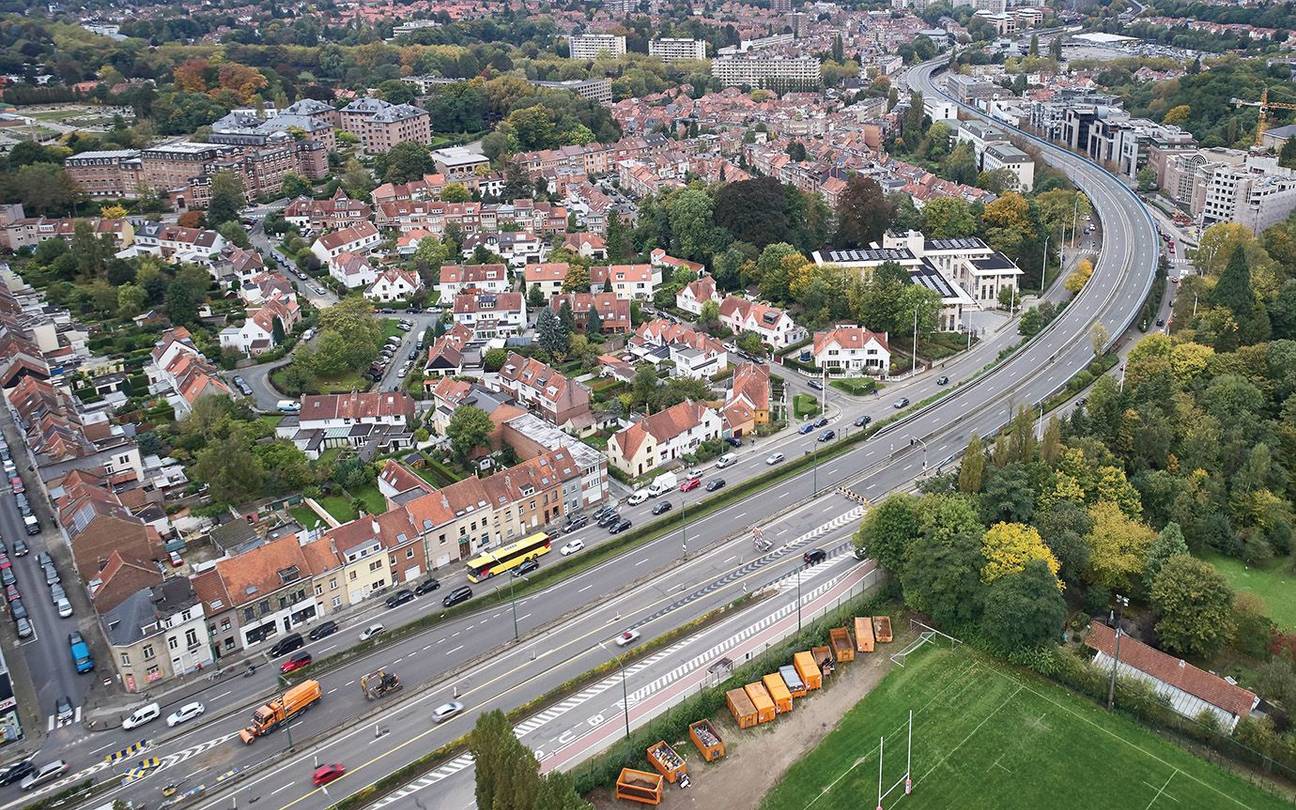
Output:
(1265, 105)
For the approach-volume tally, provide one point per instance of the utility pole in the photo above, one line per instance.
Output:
(1075, 214)
(913, 367)
(1122, 602)
(798, 579)
(1044, 266)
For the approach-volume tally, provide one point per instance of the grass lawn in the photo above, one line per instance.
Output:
(270, 420)
(391, 328)
(855, 386)
(1274, 584)
(305, 516)
(339, 506)
(804, 405)
(984, 737)
(375, 503)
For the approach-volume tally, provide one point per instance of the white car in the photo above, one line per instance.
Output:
(371, 631)
(144, 714)
(185, 713)
(445, 711)
(637, 497)
(628, 637)
(571, 548)
(774, 458)
(726, 460)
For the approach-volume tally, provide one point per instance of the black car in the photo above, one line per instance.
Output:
(814, 555)
(1160, 321)
(602, 512)
(328, 628)
(610, 519)
(661, 507)
(426, 586)
(574, 523)
(714, 484)
(526, 568)
(863, 421)
(827, 435)
(400, 597)
(461, 594)
(7, 577)
(821, 421)
(285, 645)
(735, 441)
(13, 773)
(17, 609)
(619, 527)
(20, 547)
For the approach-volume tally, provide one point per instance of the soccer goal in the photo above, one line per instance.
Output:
(926, 635)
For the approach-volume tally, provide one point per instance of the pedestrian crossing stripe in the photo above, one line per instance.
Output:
(129, 751)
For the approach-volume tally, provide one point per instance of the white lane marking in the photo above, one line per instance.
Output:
(455, 650)
(641, 562)
(285, 787)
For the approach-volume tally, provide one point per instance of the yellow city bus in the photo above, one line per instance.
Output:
(489, 563)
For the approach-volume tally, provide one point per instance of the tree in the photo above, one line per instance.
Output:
(578, 279)
(693, 233)
(1118, 547)
(1098, 337)
(593, 321)
(619, 248)
(227, 465)
(558, 792)
(750, 343)
(226, 199)
(535, 297)
(358, 331)
(887, 530)
(1079, 276)
(754, 211)
(469, 428)
(235, 234)
(294, 186)
(1196, 606)
(455, 193)
(862, 213)
(1024, 609)
(1009, 547)
(972, 467)
(131, 300)
(1064, 527)
(796, 151)
(286, 467)
(943, 579)
(1034, 46)
(406, 161)
(644, 385)
(943, 516)
(1234, 292)
(498, 763)
(1147, 179)
(550, 333)
(948, 218)
(1010, 227)
(1169, 543)
(182, 302)
(1055, 48)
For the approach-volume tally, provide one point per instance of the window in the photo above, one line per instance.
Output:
(333, 584)
(248, 614)
(225, 625)
(191, 637)
(229, 643)
(148, 652)
(173, 643)
(337, 601)
(319, 589)
(352, 576)
(375, 565)
(409, 553)
(126, 659)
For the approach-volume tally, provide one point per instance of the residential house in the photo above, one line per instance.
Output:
(691, 353)
(359, 238)
(455, 278)
(446, 354)
(771, 324)
(377, 552)
(178, 367)
(97, 524)
(852, 350)
(262, 328)
(613, 312)
(157, 634)
(696, 293)
(627, 281)
(335, 213)
(586, 245)
(491, 315)
(353, 270)
(747, 403)
(177, 245)
(330, 411)
(394, 284)
(547, 391)
(668, 264)
(659, 439)
(548, 277)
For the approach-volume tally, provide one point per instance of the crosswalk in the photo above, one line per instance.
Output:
(59, 722)
(141, 768)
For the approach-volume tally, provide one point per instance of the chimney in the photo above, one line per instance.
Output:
(373, 525)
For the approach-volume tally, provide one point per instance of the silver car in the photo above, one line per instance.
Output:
(445, 711)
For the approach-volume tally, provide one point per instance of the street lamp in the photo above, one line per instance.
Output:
(513, 602)
(798, 579)
(1122, 602)
(625, 695)
(923, 445)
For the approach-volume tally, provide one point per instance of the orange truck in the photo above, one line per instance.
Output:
(282, 709)
(843, 649)
(778, 692)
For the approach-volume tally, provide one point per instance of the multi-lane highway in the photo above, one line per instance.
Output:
(474, 656)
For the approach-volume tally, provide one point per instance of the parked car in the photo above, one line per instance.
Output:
(445, 711)
(328, 628)
(426, 586)
(637, 497)
(714, 484)
(575, 522)
(51, 575)
(7, 577)
(827, 435)
(57, 592)
(734, 441)
(774, 458)
(814, 555)
(400, 597)
(24, 628)
(298, 660)
(185, 713)
(571, 547)
(175, 559)
(64, 608)
(372, 630)
(12, 773)
(862, 421)
(461, 594)
(619, 527)
(43, 774)
(285, 645)
(17, 609)
(902, 402)
(327, 773)
(11, 593)
(661, 507)
(526, 567)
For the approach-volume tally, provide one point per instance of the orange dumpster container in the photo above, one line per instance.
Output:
(668, 763)
(863, 634)
(707, 740)
(882, 629)
(640, 786)
(741, 707)
(824, 659)
(761, 699)
(843, 649)
(778, 692)
(808, 670)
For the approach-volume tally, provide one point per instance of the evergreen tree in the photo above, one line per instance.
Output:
(1055, 48)
(594, 321)
(567, 318)
(1034, 45)
(535, 298)
(550, 333)
(1169, 542)
(838, 51)
(618, 239)
(972, 469)
(1234, 292)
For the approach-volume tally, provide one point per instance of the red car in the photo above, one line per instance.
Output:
(691, 484)
(11, 593)
(296, 662)
(17, 484)
(4, 561)
(327, 773)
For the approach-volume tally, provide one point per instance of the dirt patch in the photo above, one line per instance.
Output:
(757, 758)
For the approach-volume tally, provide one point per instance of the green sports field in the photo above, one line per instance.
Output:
(984, 737)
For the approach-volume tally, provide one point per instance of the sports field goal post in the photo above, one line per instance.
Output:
(926, 635)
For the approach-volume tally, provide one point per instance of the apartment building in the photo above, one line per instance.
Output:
(670, 49)
(107, 174)
(626, 281)
(1012, 160)
(157, 634)
(545, 390)
(396, 124)
(456, 278)
(613, 312)
(663, 437)
(589, 46)
(1257, 194)
(491, 315)
(598, 90)
(768, 72)
(852, 350)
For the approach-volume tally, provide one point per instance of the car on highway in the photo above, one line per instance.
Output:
(445, 711)
(808, 427)
(603, 511)
(461, 594)
(185, 713)
(690, 485)
(774, 458)
(400, 597)
(902, 402)
(827, 435)
(814, 555)
(637, 497)
(661, 507)
(816, 385)
(144, 714)
(298, 660)
(714, 484)
(942, 380)
(820, 422)
(726, 460)
(328, 628)
(372, 630)
(285, 645)
(12, 773)
(427, 586)
(617, 528)
(628, 637)
(327, 773)
(526, 567)
(862, 421)
(571, 547)
(43, 774)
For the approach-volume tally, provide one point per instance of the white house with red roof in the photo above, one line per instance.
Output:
(445, 355)
(628, 281)
(177, 245)
(353, 270)
(548, 276)
(394, 284)
(852, 350)
(360, 238)
(771, 324)
(691, 353)
(668, 264)
(455, 278)
(588, 245)
(256, 335)
(326, 411)
(696, 293)
(491, 315)
(667, 435)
